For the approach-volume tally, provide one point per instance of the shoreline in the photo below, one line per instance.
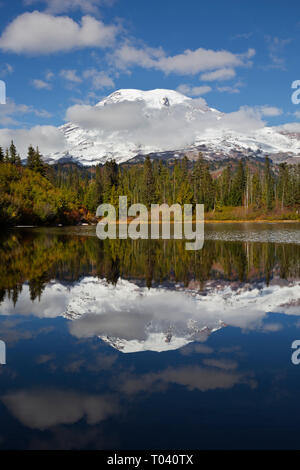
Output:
(255, 221)
(206, 221)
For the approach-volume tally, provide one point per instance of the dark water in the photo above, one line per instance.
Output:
(143, 345)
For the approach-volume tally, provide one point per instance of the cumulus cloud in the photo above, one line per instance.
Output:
(218, 75)
(118, 116)
(44, 409)
(190, 62)
(172, 127)
(70, 75)
(48, 138)
(41, 84)
(270, 111)
(193, 90)
(193, 62)
(290, 127)
(100, 79)
(42, 33)
(49, 75)
(234, 89)
(272, 327)
(8, 111)
(127, 56)
(244, 120)
(11, 111)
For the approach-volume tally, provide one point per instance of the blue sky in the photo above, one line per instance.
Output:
(56, 53)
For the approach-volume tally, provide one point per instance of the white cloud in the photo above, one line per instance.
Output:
(276, 47)
(291, 127)
(41, 84)
(119, 116)
(272, 327)
(270, 111)
(127, 56)
(11, 110)
(6, 69)
(48, 138)
(71, 76)
(188, 63)
(49, 75)
(244, 120)
(228, 89)
(99, 79)
(193, 62)
(41, 33)
(193, 90)
(235, 88)
(218, 75)
(160, 128)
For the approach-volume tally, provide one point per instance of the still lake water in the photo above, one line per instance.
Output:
(143, 345)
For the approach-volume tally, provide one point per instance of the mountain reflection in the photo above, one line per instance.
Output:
(131, 318)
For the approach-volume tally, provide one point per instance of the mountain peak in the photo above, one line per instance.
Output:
(158, 98)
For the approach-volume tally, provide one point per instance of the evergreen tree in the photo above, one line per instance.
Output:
(268, 193)
(256, 195)
(238, 185)
(149, 183)
(110, 178)
(13, 158)
(35, 162)
(30, 157)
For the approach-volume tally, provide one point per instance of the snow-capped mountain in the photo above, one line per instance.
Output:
(154, 99)
(130, 123)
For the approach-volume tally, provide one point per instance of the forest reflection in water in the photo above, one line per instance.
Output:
(40, 255)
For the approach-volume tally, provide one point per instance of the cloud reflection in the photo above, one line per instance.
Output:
(44, 409)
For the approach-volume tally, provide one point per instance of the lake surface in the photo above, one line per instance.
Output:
(144, 345)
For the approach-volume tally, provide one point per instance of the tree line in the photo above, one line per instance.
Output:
(39, 193)
(265, 189)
